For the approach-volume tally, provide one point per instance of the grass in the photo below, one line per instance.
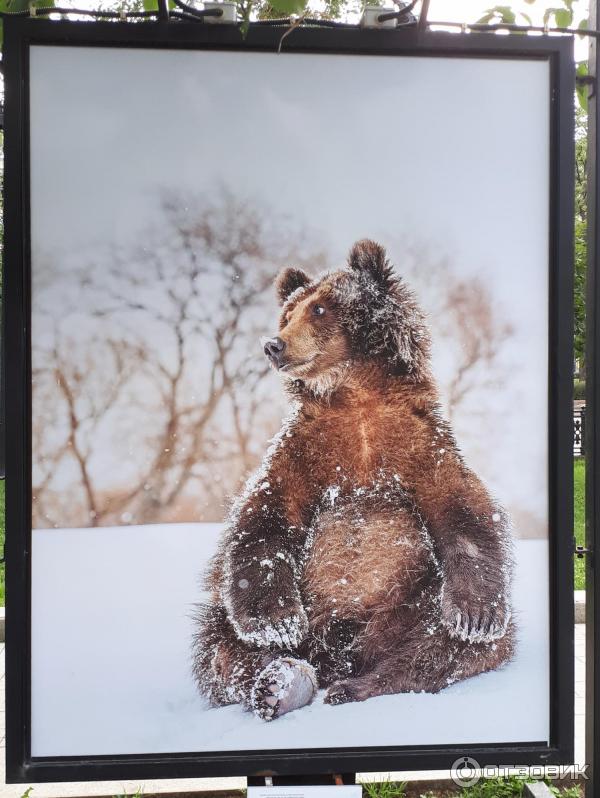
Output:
(580, 521)
(511, 787)
(494, 788)
(384, 789)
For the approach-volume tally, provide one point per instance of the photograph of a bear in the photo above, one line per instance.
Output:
(364, 556)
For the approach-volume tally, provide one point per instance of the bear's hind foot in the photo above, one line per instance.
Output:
(284, 685)
(347, 690)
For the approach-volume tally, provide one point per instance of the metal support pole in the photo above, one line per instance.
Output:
(163, 10)
(422, 23)
(2, 361)
(592, 431)
(2, 403)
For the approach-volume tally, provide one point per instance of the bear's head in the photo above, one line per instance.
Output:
(362, 312)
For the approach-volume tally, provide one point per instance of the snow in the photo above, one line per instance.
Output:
(111, 633)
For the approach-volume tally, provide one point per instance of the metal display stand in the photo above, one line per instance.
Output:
(326, 780)
(592, 436)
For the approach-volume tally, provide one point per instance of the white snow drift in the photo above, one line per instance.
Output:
(111, 633)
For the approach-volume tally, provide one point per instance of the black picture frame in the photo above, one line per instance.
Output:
(19, 35)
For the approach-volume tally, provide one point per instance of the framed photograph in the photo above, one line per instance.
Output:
(289, 419)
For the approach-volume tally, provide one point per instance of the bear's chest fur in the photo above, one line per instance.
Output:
(370, 549)
(356, 440)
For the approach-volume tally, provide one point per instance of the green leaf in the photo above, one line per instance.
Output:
(526, 17)
(288, 6)
(507, 15)
(152, 5)
(487, 17)
(563, 17)
(14, 5)
(582, 91)
(21, 5)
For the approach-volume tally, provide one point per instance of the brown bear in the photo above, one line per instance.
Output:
(364, 556)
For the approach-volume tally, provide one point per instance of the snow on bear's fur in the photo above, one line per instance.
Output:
(364, 556)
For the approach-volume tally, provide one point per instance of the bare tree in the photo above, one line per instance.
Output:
(468, 314)
(461, 313)
(180, 318)
(151, 400)
(74, 389)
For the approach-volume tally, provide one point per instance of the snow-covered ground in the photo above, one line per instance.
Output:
(111, 665)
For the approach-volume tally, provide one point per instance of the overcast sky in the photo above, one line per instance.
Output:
(350, 149)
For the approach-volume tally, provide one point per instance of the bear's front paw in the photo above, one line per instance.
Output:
(283, 627)
(477, 619)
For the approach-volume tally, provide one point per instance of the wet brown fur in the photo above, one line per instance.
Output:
(367, 548)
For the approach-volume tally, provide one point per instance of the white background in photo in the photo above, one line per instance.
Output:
(438, 159)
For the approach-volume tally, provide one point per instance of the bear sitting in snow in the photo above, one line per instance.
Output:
(364, 556)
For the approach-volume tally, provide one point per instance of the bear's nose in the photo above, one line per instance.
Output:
(273, 349)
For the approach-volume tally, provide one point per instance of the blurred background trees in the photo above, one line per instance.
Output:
(152, 401)
(151, 398)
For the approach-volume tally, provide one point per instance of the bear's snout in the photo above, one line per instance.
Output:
(274, 349)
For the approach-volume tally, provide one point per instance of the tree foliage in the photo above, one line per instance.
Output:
(559, 15)
(580, 231)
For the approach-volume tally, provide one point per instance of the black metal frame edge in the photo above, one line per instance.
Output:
(560, 385)
(19, 34)
(592, 427)
(17, 370)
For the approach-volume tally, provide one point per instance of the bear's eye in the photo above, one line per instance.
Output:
(318, 310)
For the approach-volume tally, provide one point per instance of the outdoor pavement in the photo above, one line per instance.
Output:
(70, 790)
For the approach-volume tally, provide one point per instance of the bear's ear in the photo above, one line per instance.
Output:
(369, 257)
(288, 281)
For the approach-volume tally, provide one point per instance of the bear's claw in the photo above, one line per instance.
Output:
(284, 628)
(473, 616)
(466, 627)
(347, 690)
(285, 633)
